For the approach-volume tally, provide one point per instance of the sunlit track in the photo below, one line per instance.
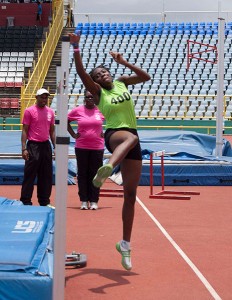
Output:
(181, 252)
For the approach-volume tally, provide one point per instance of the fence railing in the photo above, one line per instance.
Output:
(207, 129)
(150, 100)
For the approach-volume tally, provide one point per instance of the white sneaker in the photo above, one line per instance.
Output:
(84, 205)
(51, 206)
(93, 206)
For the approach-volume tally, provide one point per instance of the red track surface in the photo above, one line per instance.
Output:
(181, 249)
(201, 227)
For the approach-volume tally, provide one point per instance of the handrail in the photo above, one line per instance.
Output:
(36, 79)
(186, 98)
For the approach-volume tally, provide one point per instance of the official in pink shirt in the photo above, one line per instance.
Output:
(89, 149)
(38, 130)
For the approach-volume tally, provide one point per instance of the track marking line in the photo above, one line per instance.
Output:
(181, 252)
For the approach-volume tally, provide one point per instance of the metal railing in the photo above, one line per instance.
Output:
(36, 79)
(185, 99)
(206, 128)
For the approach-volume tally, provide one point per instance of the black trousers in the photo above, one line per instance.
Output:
(39, 165)
(88, 162)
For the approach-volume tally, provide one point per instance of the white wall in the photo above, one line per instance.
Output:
(151, 10)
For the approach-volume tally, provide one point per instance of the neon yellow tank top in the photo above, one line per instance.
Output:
(117, 107)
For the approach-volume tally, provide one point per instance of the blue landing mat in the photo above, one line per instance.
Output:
(26, 251)
(11, 169)
(189, 175)
(11, 172)
(189, 159)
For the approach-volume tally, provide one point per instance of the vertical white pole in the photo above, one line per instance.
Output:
(220, 88)
(62, 142)
(163, 13)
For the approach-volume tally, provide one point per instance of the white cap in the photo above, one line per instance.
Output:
(42, 91)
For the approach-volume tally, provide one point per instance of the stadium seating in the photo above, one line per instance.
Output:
(16, 53)
(161, 49)
(9, 106)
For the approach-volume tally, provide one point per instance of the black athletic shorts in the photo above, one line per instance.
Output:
(134, 153)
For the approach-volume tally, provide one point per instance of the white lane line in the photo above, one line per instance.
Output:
(182, 254)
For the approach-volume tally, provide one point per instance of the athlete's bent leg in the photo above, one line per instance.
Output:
(121, 142)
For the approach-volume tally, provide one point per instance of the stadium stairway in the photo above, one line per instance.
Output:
(50, 80)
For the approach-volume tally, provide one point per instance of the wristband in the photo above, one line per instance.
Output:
(76, 50)
(75, 44)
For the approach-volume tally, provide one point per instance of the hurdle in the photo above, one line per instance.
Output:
(166, 194)
(111, 193)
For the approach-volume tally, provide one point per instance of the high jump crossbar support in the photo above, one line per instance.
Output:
(62, 143)
(166, 194)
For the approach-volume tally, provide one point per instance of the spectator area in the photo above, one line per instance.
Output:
(9, 106)
(17, 53)
(161, 49)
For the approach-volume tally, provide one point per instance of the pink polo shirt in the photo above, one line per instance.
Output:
(39, 120)
(90, 123)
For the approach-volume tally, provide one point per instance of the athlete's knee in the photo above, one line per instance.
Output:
(134, 140)
(130, 196)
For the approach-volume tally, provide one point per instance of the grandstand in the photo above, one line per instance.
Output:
(18, 46)
(176, 91)
(161, 48)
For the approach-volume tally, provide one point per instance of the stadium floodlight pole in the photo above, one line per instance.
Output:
(220, 88)
(62, 144)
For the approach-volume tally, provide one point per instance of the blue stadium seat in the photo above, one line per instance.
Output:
(147, 25)
(180, 31)
(153, 25)
(120, 25)
(133, 25)
(113, 25)
(99, 26)
(84, 31)
(194, 31)
(128, 32)
(136, 32)
(99, 32)
(173, 31)
(113, 32)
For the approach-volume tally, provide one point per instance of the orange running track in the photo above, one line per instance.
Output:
(181, 249)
